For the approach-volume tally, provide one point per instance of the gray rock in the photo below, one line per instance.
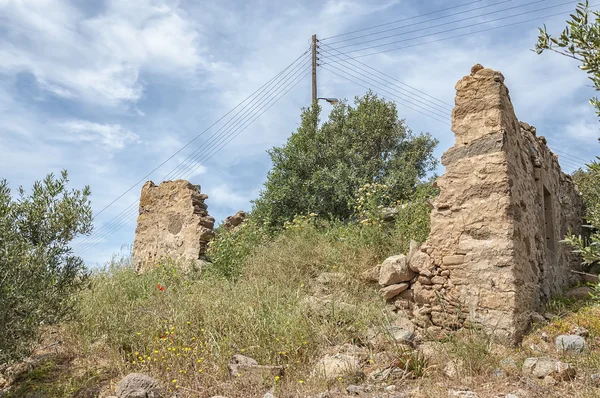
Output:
(338, 365)
(137, 385)
(595, 379)
(268, 394)
(570, 343)
(358, 389)
(242, 365)
(462, 394)
(401, 335)
(537, 318)
(579, 293)
(544, 367)
(545, 337)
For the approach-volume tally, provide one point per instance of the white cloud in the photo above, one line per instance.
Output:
(109, 136)
(98, 59)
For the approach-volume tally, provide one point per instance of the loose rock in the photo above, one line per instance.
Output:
(570, 343)
(137, 385)
(395, 270)
(543, 367)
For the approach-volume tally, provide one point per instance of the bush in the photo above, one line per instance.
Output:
(39, 272)
(588, 182)
(320, 169)
(231, 247)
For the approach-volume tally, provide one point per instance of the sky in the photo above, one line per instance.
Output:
(111, 90)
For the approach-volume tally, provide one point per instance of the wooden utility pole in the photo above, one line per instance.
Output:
(314, 68)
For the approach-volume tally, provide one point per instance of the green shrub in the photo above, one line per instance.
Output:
(231, 247)
(320, 169)
(38, 271)
(588, 182)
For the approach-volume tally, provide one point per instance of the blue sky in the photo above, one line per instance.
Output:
(110, 89)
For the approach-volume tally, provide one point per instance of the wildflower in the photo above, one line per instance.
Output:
(139, 333)
(161, 288)
(300, 381)
(174, 381)
(199, 370)
(277, 378)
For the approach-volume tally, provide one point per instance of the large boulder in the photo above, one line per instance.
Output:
(395, 270)
(138, 385)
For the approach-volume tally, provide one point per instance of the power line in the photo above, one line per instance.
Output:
(456, 36)
(194, 139)
(405, 19)
(228, 138)
(446, 105)
(131, 208)
(434, 19)
(571, 156)
(434, 116)
(453, 29)
(443, 113)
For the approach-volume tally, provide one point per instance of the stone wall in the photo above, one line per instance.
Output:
(493, 256)
(173, 224)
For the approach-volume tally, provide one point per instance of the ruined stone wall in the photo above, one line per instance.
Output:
(173, 224)
(493, 254)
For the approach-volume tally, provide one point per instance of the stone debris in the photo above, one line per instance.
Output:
(332, 367)
(138, 385)
(570, 343)
(548, 367)
(233, 221)
(173, 224)
(395, 270)
(462, 394)
(241, 365)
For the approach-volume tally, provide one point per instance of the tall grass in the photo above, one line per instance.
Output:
(184, 328)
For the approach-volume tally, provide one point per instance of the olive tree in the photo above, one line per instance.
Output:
(321, 167)
(38, 271)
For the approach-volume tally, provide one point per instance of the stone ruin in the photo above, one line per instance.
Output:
(493, 254)
(173, 225)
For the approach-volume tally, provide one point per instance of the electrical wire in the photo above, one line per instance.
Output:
(442, 105)
(401, 101)
(436, 19)
(460, 35)
(405, 19)
(450, 30)
(228, 138)
(131, 209)
(195, 138)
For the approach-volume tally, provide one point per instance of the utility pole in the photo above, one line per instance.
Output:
(314, 68)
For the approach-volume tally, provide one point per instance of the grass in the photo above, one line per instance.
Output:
(183, 329)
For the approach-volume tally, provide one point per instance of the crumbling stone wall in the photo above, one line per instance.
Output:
(493, 255)
(173, 224)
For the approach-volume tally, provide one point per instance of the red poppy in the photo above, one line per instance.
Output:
(161, 288)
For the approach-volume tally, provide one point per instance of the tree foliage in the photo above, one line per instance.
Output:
(579, 40)
(38, 271)
(588, 182)
(320, 169)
